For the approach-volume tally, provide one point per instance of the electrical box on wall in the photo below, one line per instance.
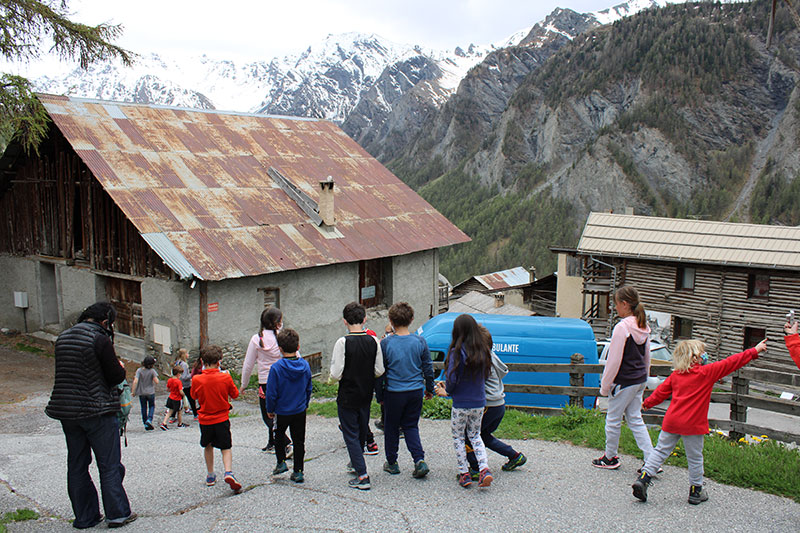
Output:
(21, 299)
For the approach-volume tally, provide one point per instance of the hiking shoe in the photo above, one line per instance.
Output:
(464, 480)
(280, 468)
(420, 469)
(697, 494)
(231, 481)
(640, 486)
(289, 451)
(474, 474)
(605, 462)
(514, 462)
(393, 468)
(124, 522)
(641, 469)
(297, 477)
(371, 448)
(485, 479)
(269, 448)
(211, 480)
(359, 483)
(163, 427)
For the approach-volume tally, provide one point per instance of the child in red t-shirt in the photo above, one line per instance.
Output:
(175, 400)
(690, 386)
(213, 388)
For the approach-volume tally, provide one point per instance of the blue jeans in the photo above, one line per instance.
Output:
(353, 421)
(98, 434)
(402, 410)
(148, 403)
(491, 419)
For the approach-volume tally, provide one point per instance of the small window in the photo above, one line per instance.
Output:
(753, 336)
(574, 266)
(685, 278)
(272, 297)
(370, 283)
(683, 328)
(436, 355)
(758, 286)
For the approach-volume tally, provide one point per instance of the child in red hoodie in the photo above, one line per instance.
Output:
(213, 388)
(792, 341)
(690, 386)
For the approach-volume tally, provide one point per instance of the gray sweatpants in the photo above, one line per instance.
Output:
(694, 455)
(627, 402)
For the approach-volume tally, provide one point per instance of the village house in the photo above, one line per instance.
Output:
(191, 222)
(515, 286)
(727, 284)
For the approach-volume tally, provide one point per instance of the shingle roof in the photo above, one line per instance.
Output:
(691, 241)
(195, 185)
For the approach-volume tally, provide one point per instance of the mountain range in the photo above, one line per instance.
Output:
(672, 110)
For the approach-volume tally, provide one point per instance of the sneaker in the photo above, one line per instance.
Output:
(640, 486)
(350, 469)
(163, 427)
(605, 462)
(697, 494)
(280, 468)
(231, 481)
(289, 451)
(149, 427)
(485, 478)
(464, 480)
(211, 480)
(360, 483)
(641, 469)
(514, 462)
(393, 468)
(297, 477)
(474, 474)
(371, 448)
(269, 448)
(379, 425)
(420, 469)
(183, 425)
(124, 522)
(172, 420)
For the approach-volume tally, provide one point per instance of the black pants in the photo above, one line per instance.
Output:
(270, 422)
(352, 422)
(188, 392)
(297, 427)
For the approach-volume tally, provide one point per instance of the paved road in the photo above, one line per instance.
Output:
(556, 491)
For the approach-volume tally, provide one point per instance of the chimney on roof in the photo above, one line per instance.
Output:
(532, 273)
(499, 299)
(326, 202)
(629, 211)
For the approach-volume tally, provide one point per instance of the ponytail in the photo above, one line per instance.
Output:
(270, 318)
(630, 296)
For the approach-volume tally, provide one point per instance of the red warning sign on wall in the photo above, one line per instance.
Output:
(213, 307)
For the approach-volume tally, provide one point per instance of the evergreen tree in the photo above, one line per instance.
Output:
(25, 27)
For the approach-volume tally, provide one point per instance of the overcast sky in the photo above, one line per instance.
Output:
(263, 29)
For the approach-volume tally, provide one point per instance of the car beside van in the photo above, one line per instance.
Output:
(659, 355)
(526, 339)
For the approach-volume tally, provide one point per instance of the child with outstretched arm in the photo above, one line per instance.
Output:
(792, 341)
(690, 386)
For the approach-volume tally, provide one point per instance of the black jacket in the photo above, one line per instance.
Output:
(87, 372)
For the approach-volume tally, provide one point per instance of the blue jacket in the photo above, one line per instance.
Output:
(288, 386)
(407, 362)
(468, 389)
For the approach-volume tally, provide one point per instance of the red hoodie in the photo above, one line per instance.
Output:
(793, 343)
(691, 393)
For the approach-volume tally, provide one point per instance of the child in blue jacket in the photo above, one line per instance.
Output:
(288, 393)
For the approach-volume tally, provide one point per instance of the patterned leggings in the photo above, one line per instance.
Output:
(469, 421)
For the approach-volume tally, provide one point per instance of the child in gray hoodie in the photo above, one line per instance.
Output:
(493, 415)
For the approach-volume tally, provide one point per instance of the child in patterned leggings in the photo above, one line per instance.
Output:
(466, 369)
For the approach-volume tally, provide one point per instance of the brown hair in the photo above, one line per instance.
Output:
(630, 296)
(270, 318)
(468, 336)
(210, 354)
(176, 370)
(288, 340)
(401, 314)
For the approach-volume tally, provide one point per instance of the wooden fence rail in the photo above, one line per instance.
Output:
(739, 398)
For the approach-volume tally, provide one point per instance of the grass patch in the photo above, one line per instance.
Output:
(237, 378)
(437, 408)
(767, 466)
(20, 515)
(324, 389)
(22, 347)
(328, 409)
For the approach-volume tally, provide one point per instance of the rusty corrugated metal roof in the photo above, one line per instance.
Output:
(692, 241)
(503, 279)
(195, 185)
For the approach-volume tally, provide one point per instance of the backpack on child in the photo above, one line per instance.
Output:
(125, 402)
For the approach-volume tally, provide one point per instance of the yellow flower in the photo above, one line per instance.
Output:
(764, 437)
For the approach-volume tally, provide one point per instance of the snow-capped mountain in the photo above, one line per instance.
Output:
(328, 80)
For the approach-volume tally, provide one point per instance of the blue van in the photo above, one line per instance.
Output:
(526, 339)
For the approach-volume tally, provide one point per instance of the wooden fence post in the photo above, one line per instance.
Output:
(576, 379)
(739, 387)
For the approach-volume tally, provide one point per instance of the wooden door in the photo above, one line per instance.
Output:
(126, 297)
(370, 283)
